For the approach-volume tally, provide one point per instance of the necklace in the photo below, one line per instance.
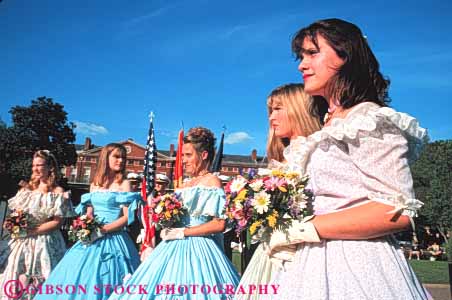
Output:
(330, 113)
(201, 174)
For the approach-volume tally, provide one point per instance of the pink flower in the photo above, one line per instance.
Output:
(242, 222)
(274, 182)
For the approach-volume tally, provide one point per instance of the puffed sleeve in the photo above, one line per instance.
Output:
(60, 205)
(132, 201)
(382, 158)
(205, 201)
(85, 201)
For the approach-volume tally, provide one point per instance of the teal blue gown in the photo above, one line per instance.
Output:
(198, 260)
(104, 262)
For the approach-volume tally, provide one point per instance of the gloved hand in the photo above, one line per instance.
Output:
(298, 232)
(281, 254)
(168, 234)
(140, 237)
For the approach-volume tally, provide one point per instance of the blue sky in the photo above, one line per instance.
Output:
(209, 63)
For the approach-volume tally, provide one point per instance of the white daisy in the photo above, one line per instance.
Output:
(261, 201)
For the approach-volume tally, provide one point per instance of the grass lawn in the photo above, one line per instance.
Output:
(431, 271)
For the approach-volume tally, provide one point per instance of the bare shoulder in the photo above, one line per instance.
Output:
(58, 190)
(93, 187)
(125, 186)
(211, 181)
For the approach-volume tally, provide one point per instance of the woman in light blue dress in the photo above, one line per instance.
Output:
(190, 263)
(109, 259)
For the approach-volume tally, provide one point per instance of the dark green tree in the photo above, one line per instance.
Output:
(433, 185)
(42, 125)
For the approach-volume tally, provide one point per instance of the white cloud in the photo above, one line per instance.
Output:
(237, 138)
(90, 128)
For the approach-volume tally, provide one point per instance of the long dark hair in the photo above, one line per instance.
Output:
(359, 78)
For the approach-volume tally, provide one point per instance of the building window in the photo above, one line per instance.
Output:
(136, 162)
(86, 174)
(230, 169)
(130, 162)
(235, 169)
(168, 165)
(73, 174)
(93, 159)
(128, 149)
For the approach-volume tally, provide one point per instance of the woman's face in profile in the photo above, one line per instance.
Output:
(116, 161)
(39, 169)
(318, 65)
(191, 159)
(279, 121)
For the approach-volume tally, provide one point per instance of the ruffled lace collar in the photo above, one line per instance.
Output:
(364, 117)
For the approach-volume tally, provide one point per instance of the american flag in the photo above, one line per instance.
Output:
(150, 161)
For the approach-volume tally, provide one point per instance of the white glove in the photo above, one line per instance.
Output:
(140, 237)
(168, 234)
(298, 232)
(281, 254)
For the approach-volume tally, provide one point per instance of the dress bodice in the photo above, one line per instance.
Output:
(363, 157)
(108, 205)
(202, 204)
(41, 206)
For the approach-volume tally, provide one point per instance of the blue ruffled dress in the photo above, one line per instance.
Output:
(104, 262)
(188, 264)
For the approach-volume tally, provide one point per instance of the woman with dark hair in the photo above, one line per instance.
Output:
(30, 259)
(190, 263)
(113, 256)
(359, 172)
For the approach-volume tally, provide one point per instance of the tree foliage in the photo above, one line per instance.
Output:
(432, 182)
(42, 125)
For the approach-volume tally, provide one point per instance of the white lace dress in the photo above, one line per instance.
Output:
(364, 156)
(36, 256)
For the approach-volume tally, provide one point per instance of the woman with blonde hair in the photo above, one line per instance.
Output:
(289, 117)
(30, 259)
(111, 257)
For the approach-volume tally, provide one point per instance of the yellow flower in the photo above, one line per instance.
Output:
(167, 215)
(292, 175)
(282, 189)
(175, 211)
(241, 195)
(277, 173)
(272, 219)
(254, 227)
(16, 229)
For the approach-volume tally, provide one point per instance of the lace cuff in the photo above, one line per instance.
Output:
(406, 206)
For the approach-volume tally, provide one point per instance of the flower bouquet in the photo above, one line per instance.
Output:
(16, 223)
(85, 229)
(166, 210)
(267, 202)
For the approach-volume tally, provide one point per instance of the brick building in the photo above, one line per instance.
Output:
(88, 155)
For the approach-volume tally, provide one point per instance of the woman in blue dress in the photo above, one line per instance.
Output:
(93, 269)
(189, 263)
